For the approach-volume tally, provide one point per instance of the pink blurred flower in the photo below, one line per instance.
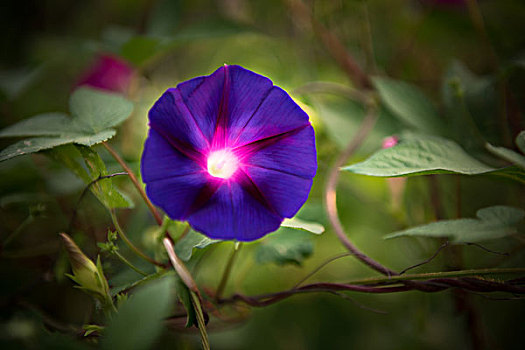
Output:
(108, 73)
(390, 141)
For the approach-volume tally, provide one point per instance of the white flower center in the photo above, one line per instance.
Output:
(222, 163)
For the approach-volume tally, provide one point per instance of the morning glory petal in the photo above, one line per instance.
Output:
(277, 114)
(232, 213)
(171, 118)
(291, 154)
(159, 158)
(248, 91)
(202, 97)
(284, 192)
(176, 195)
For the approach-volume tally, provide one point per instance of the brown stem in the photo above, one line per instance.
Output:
(130, 244)
(135, 182)
(470, 284)
(227, 270)
(330, 192)
(179, 266)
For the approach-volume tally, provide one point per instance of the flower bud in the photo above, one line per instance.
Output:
(86, 274)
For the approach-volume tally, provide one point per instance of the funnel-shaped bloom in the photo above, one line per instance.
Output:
(230, 153)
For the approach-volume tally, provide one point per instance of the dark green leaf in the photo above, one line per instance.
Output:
(139, 320)
(492, 222)
(71, 156)
(470, 104)
(193, 239)
(32, 145)
(94, 114)
(409, 104)
(342, 119)
(103, 189)
(185, 298)
(512, 172)
(285, 246)
(48, 124)
(416, 155)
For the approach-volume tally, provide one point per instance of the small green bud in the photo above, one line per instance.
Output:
(86, 274)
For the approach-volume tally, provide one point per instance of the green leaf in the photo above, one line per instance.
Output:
(507, 154)
(103, 189)
(512, 172)
(342, 119)
(285, 246)
(409, 104)
(416, 155)
(184, 296)
(106, 193)
(95, 111)
(140, 319)
(47, 124)
(32, 145)
(300, 224)
(193, 239)
(470, 104)
(94, 114)
(492, 222)
(70, 156)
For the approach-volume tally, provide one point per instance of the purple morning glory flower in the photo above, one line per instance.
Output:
(230, 153)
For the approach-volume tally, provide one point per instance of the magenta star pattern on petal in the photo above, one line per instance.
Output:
(230, 153)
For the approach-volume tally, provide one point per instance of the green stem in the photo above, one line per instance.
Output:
(27, 221)
(123, 236)
(178, 265)
(431, 275)
(147, 278)
(200, 320)
(127, 262)
(135, 182)
(227, 270)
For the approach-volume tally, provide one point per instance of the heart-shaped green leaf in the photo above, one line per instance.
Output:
(492, 222)
(94, 114)
(416, 155)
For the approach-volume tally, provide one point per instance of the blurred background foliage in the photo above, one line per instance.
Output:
(49, 46)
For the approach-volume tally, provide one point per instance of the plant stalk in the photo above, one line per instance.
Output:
(227, 270)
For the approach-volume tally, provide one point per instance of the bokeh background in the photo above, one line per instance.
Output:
(50, 47)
